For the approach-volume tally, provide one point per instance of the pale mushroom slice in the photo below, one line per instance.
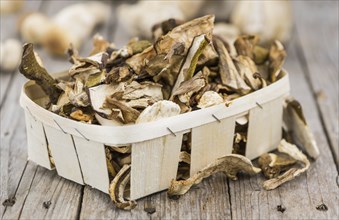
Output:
(229, 74)
(247, 70)
(160, 109)
(245, 45)
(273, 164)
(295, 153)
(229, 165)
(295, 122)
(97, 96)
(118, 186)
(276, 59)
(188, 68)
(210, 98)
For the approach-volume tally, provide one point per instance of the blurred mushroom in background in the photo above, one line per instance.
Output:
(268, 19)
(10, 55)
(10, 6)
(71, 25)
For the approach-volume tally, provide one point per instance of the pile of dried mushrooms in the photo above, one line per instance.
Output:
(186, 68)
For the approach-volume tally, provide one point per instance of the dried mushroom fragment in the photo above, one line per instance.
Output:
(229, 75)
(79, 115)
(273, 164)
(188, 68)
(121, 111)
(247, 70)
(245, 45)
(229, 165)
(295, 122)
(32, 69)
(210, 98)
(160, 109)
(260, 54)
(117, 189)
(295, 153)
(277, 57)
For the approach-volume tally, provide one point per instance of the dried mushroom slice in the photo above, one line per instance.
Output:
(121, 111)
(229, 165)
(295, 153)
(245, 45)
(295, 122)
(160, 109)
(229, 75)
(210, 98)
(79, 115)
(188, 68)
(183, 33)
(32, 69)
(185, 157)
(247, 70)
(277, 57)
(273, 164)
(117, 189)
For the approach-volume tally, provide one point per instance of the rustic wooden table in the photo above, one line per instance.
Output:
(313, 66)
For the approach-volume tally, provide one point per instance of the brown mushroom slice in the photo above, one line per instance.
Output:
(160, 109)
(229, 165)
(79, 115)
(229, 75)
(245, 45)
(276, 59)
(210, 98)
(183, 33)
(295, 122)
(188, 68)
(136, 90)
(97, 96)
(293, 151)
(118, 186)
(273, 164)
(185, 157)
(247, 70)
(32, 69)
(120, 110)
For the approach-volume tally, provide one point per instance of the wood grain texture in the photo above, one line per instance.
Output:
(318, 53)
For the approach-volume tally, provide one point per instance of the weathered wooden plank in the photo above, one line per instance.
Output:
(318, 52)
(210, 142)
(8, 23)
(300, 196)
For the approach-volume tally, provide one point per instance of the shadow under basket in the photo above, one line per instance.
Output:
(78, 149)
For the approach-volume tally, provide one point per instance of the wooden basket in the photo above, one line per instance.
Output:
(78, 149)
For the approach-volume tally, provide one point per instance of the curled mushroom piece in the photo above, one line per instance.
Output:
(210, 98)
(160, 109)
(273, 164)
(32, 68)
(276, 59)
(229, 74)
(295, 122)
(117, 189)
(295, 153)
(229, 165)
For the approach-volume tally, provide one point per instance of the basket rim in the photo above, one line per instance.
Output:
(129, 134)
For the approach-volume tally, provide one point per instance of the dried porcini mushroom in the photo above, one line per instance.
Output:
(273, 164)
(245, 45)
(292, 151)
(277, 57)
(118, 186)
(295, 122)
(32, 69)
(210, 98)
(229, 165)
(229, 75)
(160, 109)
